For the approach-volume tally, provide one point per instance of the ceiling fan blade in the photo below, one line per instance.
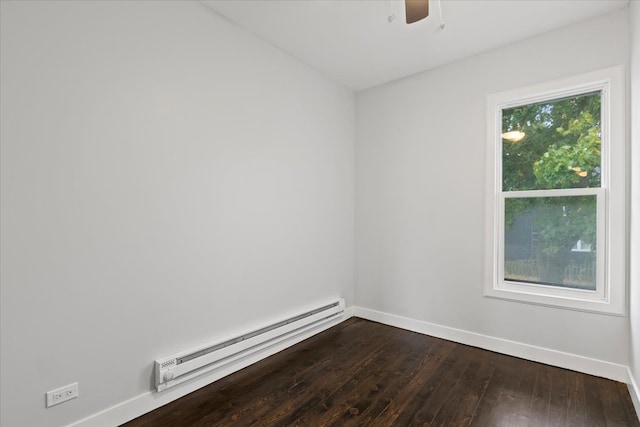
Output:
(416, 10)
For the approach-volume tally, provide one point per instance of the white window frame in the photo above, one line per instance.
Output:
(609, 295)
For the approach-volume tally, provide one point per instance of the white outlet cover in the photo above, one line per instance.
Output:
(62, 394)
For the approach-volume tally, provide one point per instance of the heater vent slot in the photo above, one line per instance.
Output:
(168, 363)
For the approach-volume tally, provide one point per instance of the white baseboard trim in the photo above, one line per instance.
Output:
(547, 356)
(148, 401)
(634, 391)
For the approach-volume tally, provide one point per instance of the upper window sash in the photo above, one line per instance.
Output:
(601, 86)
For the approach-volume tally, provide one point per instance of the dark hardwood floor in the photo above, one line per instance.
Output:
(362, 373)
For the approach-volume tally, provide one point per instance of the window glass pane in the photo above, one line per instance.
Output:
(551, 241)
(552, 144)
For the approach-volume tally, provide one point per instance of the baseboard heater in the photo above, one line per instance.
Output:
(183, 366)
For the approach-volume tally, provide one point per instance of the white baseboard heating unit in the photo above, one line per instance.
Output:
(183, 366)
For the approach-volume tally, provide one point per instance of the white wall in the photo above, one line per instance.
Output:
(634, 353)
(420, 193)
(167, 179)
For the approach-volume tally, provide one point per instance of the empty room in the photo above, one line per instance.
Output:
(319, 213)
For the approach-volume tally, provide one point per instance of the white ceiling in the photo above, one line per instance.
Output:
(352, 41)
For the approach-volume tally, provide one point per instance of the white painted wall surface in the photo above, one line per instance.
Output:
(634, 300)
(167, 179)
(420, 192)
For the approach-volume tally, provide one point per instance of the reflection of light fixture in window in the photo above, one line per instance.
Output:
(513, 136)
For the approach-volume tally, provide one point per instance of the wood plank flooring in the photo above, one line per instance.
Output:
(362, 373)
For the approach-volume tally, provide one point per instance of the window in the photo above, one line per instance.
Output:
(556, 193)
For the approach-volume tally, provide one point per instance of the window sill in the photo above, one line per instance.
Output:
(592, 304)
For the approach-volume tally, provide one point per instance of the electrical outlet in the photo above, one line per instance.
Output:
(62, 394)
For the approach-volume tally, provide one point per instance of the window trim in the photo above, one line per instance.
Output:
(609, 297)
